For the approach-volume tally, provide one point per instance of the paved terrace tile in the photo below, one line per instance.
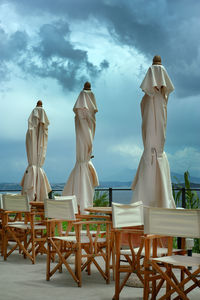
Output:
(20, 280)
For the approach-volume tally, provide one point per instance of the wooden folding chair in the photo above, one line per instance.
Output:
(82, 217)
(27, 233)
(171, 223)
(127, 219)
(65, 244)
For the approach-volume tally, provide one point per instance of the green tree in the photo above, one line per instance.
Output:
(192, 201)
(100, 199)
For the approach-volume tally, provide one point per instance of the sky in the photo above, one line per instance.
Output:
(48, 49)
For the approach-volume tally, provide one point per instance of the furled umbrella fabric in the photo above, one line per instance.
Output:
(152, 183)
(34, 182)
(83, 177)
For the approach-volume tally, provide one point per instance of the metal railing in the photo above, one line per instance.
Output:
(110, 191)
(183, 193)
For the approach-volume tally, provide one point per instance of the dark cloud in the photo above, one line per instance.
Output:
(161, 27)
(12, 45)
(11, 48)
(55, 57)
(4, 74)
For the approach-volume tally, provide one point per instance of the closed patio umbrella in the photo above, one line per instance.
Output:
(34, 182)
(83, 177)
(152, 183)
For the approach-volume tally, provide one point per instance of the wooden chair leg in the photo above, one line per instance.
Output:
(5, 245)
(146, 290)
(168, 286)
(25, 245)
(48, 261)
(117, 266)
(78, 265)
(108, 254)
(2, 242)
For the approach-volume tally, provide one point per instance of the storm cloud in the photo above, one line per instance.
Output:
(54, 56)
(12, 47)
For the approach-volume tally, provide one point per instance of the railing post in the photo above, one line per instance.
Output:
(183, 206)
(183, 198)
(50, 195)
(110, 196)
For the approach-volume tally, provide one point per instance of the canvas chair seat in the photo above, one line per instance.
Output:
(180, 260)
(84, 232)
(182, 223)
(16, 223)
(27, 226)
(160, 251)
(83, 239)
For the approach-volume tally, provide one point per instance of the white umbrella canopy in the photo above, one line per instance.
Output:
(34, 182)
(83, 177)
(152, 182)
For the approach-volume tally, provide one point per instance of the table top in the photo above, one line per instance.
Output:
(37, 203)
(98, 209)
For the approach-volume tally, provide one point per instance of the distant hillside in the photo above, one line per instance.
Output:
(127, 175)
(119, 184)
(103, 184)
(16, 186)
(176, 178)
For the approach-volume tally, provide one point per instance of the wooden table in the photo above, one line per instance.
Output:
(103, 210)
(37, 205)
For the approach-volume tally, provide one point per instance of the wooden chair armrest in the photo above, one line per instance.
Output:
(14, 212)
(55, 220)
(154, 236)
(91, 222)
(123, 230)
(93, 217)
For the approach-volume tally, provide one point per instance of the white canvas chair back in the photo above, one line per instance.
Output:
(15, 202)
(69, 198)
(172, 222)
(1, 199)
(59, 209)
(127, 215)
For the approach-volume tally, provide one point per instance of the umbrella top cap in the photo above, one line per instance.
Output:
(157, 60)
(87, 86)
(39, 103)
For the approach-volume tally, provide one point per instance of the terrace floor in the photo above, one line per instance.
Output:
(20, 280)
